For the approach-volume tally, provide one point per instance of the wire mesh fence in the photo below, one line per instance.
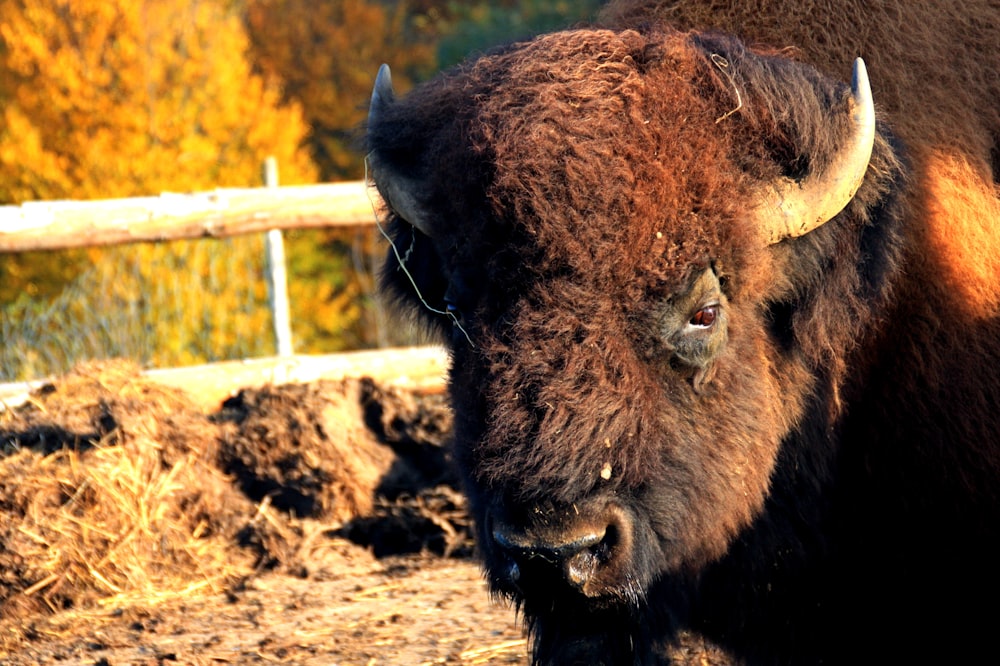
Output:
(185, 302)
(174, 303)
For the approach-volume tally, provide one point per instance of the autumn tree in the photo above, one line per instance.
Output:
(107, 98)
(325, 56)
(111, 98)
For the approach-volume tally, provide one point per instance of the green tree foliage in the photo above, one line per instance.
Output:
(476, 25)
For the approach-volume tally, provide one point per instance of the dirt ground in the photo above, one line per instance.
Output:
(299, 524)
(402, 610)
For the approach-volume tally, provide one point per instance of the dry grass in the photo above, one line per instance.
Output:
(119, 495)
(135, 528)
(112, 521)
(109, 496)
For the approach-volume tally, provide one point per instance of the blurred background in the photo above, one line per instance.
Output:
(117, 98)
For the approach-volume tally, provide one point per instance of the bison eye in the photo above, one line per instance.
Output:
(692, 325)
(705, 317)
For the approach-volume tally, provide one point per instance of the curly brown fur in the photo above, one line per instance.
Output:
(932, 63)
(831, 460)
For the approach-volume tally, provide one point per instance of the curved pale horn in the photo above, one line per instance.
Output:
(396, 189)
(794, 208)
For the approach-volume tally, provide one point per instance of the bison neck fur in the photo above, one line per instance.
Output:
(662, 419)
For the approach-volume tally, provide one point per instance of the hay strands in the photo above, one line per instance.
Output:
(483, 655)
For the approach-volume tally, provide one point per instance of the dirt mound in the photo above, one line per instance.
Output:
(434, 520)
(116, 490)
(305, 447)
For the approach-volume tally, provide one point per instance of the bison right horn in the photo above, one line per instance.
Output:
(397, 190)
(794, 208)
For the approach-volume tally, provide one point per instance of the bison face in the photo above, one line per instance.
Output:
(603, 226)
(606, 441)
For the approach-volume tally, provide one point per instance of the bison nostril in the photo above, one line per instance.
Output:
(576, 558)
(581, 568)
(522, 547)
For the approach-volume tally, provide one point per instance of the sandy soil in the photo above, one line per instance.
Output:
(410, 610)
(417, 610)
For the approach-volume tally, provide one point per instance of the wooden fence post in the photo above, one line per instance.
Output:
(277, 280)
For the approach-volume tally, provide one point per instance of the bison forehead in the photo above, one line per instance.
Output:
(603, 153)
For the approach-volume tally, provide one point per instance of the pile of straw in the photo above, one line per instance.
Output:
(109, 492)
(118, 493)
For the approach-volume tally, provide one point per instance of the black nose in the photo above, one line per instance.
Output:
(576, 557)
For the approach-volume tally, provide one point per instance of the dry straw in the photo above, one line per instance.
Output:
(109, 498)
(121, 500)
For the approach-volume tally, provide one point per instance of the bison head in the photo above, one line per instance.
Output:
(630, 241)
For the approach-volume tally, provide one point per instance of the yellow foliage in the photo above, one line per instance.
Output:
(325, 55)
(114, 98)
(201, 301)
(109, 98)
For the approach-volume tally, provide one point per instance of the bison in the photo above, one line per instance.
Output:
(724, 329)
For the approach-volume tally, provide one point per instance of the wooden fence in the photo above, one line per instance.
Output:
(59, 225)
(54, 225)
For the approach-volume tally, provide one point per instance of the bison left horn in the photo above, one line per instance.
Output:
(398, 190)
(794, 208)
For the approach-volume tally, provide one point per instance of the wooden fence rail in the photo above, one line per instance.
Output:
(57, 225)
(420, 368)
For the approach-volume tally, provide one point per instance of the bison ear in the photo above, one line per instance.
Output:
(399, 191)
(790, 208)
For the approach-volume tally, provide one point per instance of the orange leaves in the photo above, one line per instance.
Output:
(42, 170)
(124, 97)
(325, 55)
(114, 98)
